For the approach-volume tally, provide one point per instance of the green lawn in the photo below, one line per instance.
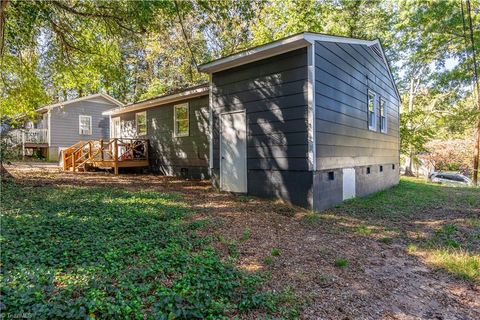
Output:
(77, 252)
(441, 223)
(74, 252)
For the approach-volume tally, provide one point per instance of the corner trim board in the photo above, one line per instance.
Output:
(49, 128)
(210, 124)
(312, 144)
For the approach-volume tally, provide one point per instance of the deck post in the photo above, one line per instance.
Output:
(101, 148)
(23, 145)
(90, 149)
(115, 155)
(73, 162)
(64, 160)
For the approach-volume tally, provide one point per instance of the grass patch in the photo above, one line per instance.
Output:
(458, 262)
(341, 263)
(386, 240)
(311, 217)
(275, 252)
(268, 260)
(410, 196)
(447, 249)
(363, 230)
(108, 253)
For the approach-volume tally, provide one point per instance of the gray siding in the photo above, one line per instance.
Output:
(273, 92)
(170, 155)
(64, 123)
(343, 74)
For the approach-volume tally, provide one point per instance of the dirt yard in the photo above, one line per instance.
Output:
(368, 259)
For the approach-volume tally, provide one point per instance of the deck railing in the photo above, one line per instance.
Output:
(33, 136)
(110, 153)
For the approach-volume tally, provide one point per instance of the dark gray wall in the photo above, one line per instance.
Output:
(273, 92)
(170, 154)
(343, 74)
(64, 122)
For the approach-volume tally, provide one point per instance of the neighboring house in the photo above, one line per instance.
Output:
(312, 119)
(63, 124)
(176, 126)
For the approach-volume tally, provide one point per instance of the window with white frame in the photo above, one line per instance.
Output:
(181, 120)
(141, 123)
(382, 115)
(85, 125)
(371, 111)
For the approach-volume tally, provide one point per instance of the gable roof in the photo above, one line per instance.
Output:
(178, 95)
(291, 43)
(90, 97)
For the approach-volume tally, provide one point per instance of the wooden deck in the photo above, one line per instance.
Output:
(113, 153)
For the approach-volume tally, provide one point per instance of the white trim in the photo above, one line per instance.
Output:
(385, 61)
(49, 128)
(93, 96)
(136, 123)
(372, 126)
(274, 48)
(113, 126)
(162, 100)
(90, 130)
(255, 54)
(175, 128)
(380, 99)
(210, 123)
(220, 146)
(312, 154)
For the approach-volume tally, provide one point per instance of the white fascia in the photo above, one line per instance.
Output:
(49, 127)
(312, 141)
(210, 120)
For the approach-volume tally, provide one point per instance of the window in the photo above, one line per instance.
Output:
(85, 125)
(181, 120)
(371, 111)
(368, 170)
(331, 175)
(381, 168)
(383, 115)
(141, 123)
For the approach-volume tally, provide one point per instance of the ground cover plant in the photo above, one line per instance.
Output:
(407, 252)
(73, 252)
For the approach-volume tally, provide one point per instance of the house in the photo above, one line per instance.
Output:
(63, 124)
(312, 119)
(176, 126)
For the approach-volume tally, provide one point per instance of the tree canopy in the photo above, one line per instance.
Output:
(56, 50)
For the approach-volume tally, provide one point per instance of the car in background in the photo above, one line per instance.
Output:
(450, 178)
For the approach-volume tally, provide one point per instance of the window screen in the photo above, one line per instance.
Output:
(85, 125)
(141, 123)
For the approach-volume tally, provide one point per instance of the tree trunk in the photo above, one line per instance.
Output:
(476, 152)
(3, 23)
(409, 166)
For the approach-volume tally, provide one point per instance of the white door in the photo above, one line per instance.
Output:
(115, 128)
(233, 152)
(348, 183)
